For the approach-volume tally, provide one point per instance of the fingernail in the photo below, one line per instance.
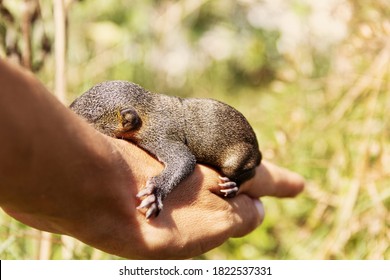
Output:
(260, 209)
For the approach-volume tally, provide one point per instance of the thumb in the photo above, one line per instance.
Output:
(247, 215)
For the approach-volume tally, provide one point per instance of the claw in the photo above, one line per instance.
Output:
(151, 203)
(153, 210)
(224, 179)
(230, 192)
(148, 190)
(144, 192)
(229, 188)
(228, 185)
(147, 202)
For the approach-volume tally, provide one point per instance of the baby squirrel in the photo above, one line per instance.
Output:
(178, 131)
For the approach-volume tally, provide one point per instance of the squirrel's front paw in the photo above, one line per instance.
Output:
(228, 188)
(151, 205)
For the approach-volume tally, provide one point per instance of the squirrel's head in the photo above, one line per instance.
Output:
(108, 106)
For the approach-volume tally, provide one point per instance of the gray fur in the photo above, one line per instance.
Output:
(178, 131)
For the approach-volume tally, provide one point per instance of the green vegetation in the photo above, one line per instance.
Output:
(312, 78)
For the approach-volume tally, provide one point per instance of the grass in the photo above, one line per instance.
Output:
(340, 142)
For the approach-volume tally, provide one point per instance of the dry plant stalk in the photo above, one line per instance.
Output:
(60, 49)
(19, 36)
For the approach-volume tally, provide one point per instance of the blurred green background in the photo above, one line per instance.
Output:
(312, 77)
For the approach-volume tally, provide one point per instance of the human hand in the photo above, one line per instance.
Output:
(194, 219)
(197, 219)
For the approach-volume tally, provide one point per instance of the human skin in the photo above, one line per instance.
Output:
(58, 174)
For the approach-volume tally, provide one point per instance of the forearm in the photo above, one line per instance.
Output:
(41, 140)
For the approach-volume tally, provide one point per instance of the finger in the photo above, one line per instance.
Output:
(272, 180)
(244, 215)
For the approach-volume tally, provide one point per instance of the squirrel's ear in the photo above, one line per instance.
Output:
(129, 119)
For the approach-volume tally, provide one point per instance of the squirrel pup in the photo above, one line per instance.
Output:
(178, 131)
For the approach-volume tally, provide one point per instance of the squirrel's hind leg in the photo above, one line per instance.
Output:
(228, 187)
(238, 165)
